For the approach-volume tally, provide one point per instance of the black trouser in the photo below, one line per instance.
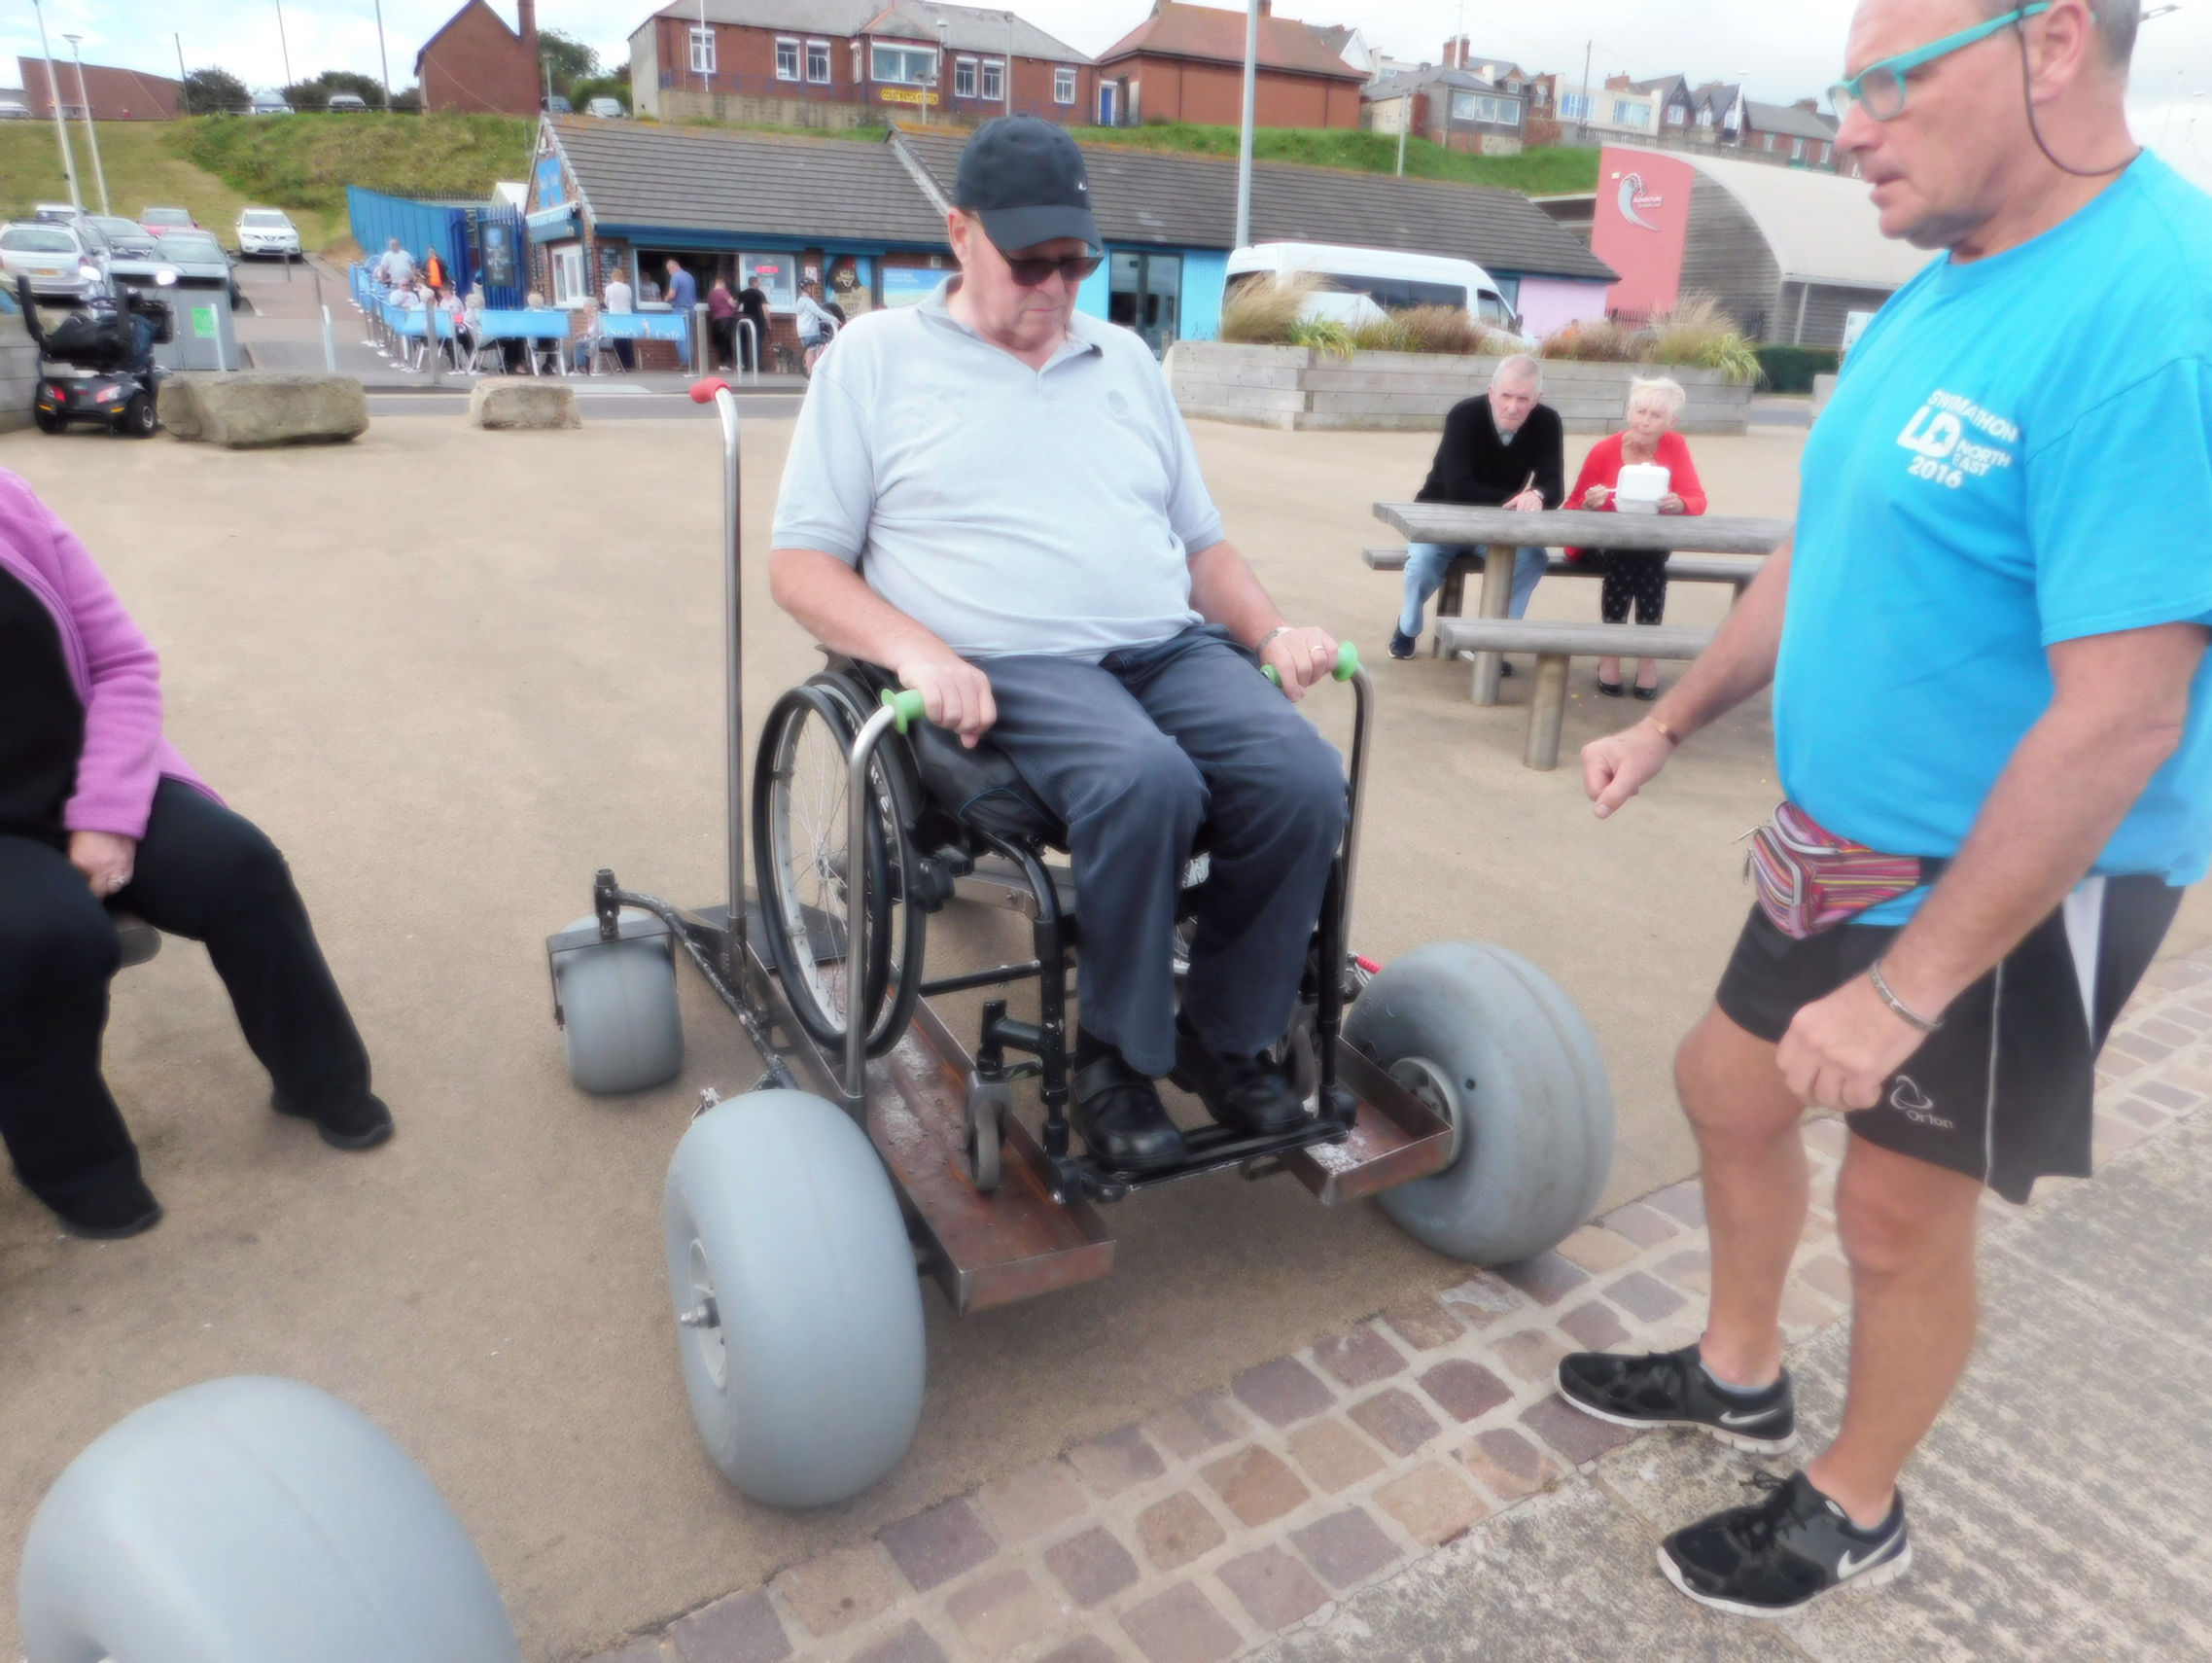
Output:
(1637, 574)
(203, 873)
(725, 333)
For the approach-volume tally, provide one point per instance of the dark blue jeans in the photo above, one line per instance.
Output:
(1136, 753)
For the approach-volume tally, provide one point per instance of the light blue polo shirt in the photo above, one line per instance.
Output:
(1007, 510)
(2019, 453)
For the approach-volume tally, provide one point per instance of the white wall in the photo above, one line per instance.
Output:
(1549, 303)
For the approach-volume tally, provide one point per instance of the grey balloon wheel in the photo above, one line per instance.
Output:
(620, 1025)
(1490, 1041)
(798, 1311)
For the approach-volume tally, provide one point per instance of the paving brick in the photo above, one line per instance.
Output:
(1597, 1249)
(1465, 1389)
(1594, 1327)
(1088, 1649)
(1396, 1420)
(1433, 1503)
(1482, 1299)
(1282, 1392)
(1546, 1279)
(1532, 1354)
(1196, 1424)
(1359, 1357)
(1256, 1485)
(1507, 1465)
(641, 1651)
(1827, 1275)
(2111, 1135)
(1685, 1201)
(1641, 1224)
(2167, 1033)
(839, 1589)
(1574, 1435)
(1274, 1587)
(1804, 1309)
(1346, 1547)
(1332, 1455)
(1109, 1465)
(2135, 1048)
(996, 1613)
(1691, 1268)
(2142, 1113)
(910, 1645)
(1177, 1529)
(1181, 1626)
(1644, 1296)
(1092, 1567)
(741, 1629)
(1033, 1500)
(935, 1546)
(1425, 1326)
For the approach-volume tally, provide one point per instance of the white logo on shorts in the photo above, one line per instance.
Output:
(1915, 1105)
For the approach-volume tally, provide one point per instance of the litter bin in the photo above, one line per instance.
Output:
(203, 339)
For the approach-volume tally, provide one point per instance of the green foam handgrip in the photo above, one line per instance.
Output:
(908, 707)
(1347, 664)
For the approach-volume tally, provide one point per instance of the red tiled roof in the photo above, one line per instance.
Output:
(1215, 36)
(116, 94)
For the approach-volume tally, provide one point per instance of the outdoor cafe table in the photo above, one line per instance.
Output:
(1497, 533)
(649, 325)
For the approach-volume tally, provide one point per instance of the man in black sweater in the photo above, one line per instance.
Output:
(1501, 449)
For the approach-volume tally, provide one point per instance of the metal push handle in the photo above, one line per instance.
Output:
(1347, 665)
(712, 390)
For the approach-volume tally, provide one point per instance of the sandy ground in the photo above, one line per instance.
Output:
(453, 673)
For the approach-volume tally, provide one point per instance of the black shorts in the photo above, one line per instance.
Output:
(2002, 1091)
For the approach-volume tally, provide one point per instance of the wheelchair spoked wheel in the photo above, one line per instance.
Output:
(803, 867)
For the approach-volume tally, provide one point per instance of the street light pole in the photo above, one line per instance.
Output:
(383, 58)
(1245, 140)
(60, 126)
(91, 134)
(283, 43)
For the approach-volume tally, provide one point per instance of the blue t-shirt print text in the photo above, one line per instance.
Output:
(2019, 454)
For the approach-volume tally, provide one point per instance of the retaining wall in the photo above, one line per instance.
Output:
(1297, 388)
(18, 373)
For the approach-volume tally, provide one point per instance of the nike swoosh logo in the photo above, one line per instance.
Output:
(1848, 1567)
(1745, 1417)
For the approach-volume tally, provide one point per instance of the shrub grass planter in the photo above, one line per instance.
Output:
(1296, 388)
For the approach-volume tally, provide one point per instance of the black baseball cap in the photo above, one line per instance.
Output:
(1025, 179)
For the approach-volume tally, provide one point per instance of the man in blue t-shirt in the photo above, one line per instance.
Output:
(1986, 644)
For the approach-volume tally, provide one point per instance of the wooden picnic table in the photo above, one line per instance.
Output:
(1499, 532)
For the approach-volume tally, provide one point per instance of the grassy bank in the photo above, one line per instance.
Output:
(1539, 172)
(308, 161)
(143, 169)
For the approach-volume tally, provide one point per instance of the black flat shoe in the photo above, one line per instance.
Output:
(1506, 666)
(1610, 690)
(1119, 1115)
(1246, 1093)
(126, 1211)
(361, 1125)
(1401, 643)
(1647, 694)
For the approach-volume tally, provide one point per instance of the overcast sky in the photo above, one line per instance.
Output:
(1783, 49)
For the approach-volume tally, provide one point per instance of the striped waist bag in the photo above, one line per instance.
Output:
(1808, 879)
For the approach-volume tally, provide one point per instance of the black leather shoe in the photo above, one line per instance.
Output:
(1401, 643)
(1121, 1116)
(1246, 1093)
(361, 1125)
(127, 1210)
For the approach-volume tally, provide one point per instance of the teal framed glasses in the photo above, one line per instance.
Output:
(1880, 88)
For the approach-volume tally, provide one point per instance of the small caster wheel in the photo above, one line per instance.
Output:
(990, 1104)
(620, 1025)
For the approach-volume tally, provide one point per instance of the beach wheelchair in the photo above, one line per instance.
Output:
(1457, 1085)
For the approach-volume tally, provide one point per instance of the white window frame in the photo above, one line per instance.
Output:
(1797, 149)
(790, 57)
(702, 49)
(904, 55)
(1705, 117)
(1064, 84)
(818, 51)
(1577, 106)
(993, 71)
(1628, 113)
(964, 77)
(570, 284)
(1674, 115)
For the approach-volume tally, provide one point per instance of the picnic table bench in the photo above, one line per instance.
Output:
(1734, 570)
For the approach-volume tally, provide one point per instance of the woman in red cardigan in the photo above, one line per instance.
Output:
(1632, 574)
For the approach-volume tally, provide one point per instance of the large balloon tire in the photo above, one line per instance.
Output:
(253, 1520)
(621, 1026)
(806, 1377)
(1489, 1038)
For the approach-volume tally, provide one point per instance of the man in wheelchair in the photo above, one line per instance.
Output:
(995, 497)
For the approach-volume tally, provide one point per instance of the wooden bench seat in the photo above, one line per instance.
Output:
(1554, 645)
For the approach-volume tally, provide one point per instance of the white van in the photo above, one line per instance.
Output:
(1391, 280)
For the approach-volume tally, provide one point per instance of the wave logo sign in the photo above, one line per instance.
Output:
(1636, 202)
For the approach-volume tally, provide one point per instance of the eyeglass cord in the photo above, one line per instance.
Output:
(2027, 97)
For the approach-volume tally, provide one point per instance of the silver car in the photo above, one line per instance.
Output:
(61, 262)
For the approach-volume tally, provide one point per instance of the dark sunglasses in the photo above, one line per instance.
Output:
(1029, 273)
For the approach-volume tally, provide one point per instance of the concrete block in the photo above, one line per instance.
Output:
(252, 409)
(517, 402)
(1823, 389)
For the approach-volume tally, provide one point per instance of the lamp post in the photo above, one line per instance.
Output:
(60, 126)
(1245, 140)
(91, 134)
(283, 44)
(383, 58)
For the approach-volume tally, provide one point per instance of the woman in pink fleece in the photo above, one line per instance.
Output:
(97, 808)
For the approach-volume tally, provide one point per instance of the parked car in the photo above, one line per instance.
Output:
(197, 258)
(56, 213)
(605, 108)
(127, 239)
(268, 230)
(269, 105)
(161, 222)
(61, 263)
(14, 110)
(557, 105)
(1392, 280)
(346, 101)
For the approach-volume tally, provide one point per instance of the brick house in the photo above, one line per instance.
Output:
(1455, 108)
(115, 94)
(477, 63)
(842, 62)
(1796, 132)
(1186, 63)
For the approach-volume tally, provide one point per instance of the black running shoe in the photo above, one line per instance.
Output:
(1782, 1554)
(1671, 1389)
(1401, 643)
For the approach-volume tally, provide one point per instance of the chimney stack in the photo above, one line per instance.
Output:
(1267, 8)
(526, 12)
